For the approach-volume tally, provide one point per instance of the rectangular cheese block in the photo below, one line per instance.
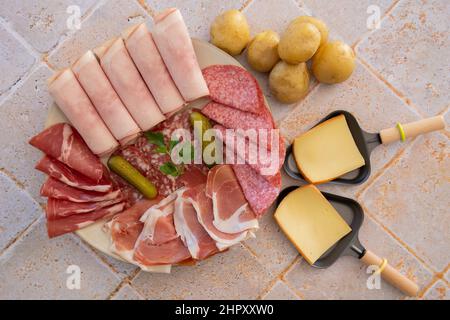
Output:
(310, 222)
(327, 151)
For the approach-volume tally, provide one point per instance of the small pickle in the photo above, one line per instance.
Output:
(205, 125)
(126, 171)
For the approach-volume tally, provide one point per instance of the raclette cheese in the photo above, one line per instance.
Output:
(310, 222)
(327, 151)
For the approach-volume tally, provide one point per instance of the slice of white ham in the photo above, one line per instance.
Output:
(105, 100)
(175, 46)
(63, 143)
(192, 233)
(58, 209)
(126, 80)
(58, 170)
(53, 188)
(57, 227)
(232, 214)
(74, 102)
(146, 57)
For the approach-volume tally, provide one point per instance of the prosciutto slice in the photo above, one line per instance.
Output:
(53, 188)
(105, 100)
(74, 102)
(63, 143)
(192, 233)
(58, 209)
(231, 211)
(175, 46)
(145, 55)
(57, 227)
(58, 170)
(128, 83)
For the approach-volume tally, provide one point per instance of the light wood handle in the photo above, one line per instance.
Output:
(413, 129)
(391, 275)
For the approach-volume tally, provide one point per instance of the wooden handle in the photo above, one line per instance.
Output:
(391, 275)
(413, 129)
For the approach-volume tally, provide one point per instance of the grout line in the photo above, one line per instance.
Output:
(267, 289)
(19, 235)
(147, 8)
(294, 290)
(245, 5)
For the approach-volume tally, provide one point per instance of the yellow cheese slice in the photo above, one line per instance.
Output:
(310, 222)
(327, 151)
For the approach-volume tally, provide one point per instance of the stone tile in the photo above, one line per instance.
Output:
(411, 199)
(108, 21)
(411, 52)
(349, 18)
(447, 275)
(280, 291)
(439, 291)
(41, 23)
(271, 246)
(23, 115)
(36, 267)
(123, 269)
(15, 60)
(369, 100)
(347, 278)
(198, 14)
(235, 274)
(18, 211)
(126, 293)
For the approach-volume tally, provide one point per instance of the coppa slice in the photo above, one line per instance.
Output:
(63, 143)
(57, 209)
(259, 191)
(234, 86)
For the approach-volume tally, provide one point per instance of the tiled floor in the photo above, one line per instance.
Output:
(402, 75)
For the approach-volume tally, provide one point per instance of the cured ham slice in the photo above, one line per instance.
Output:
(58, 209)
(57, 227)
(171, 252)
(73, 101)
(105, 100)
(53, 188)
(63, 143)
(205, 215)
(259, 191)
(145, 55)
(175, 46)
(65, 174)
(128, 83)
(192, 233)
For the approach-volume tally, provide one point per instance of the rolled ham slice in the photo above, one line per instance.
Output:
(63, 143)
(75, 222)
(74, 102)
(58, 170)
(105, 100)
(175, 46)
(146, 57)
(58, 209)
(128, 83)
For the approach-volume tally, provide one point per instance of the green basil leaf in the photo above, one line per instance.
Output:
(162, 149)
(156, 138)
(172, 144)
(169, 169)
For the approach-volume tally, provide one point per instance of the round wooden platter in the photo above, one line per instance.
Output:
(207, 55)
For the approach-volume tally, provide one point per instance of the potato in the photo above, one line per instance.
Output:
(319, 24)
(333, 63)
(262, 52)
(289, 82)
(230, 32)
(299, 42)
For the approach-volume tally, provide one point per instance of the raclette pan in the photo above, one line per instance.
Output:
(366, 143)
(352, 212)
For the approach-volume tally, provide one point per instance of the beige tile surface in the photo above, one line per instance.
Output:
(126, 293)
(280, 291)
(439, 291)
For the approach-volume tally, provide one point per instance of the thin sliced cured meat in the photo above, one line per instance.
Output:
(205, 215)
(232, 214)
(235, 87)
(192, 233)
(58, 209)
(146, 57)
(53, 188)
(259, 191)
(74, 102)
(171, 252)
(63, 143)
(128, 83)
(175, 46)
(105, 100)
(57, 227)
(58, 170)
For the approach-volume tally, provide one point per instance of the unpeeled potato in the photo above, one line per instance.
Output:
(289, 82)
(230, 32)
(319, 24)
(299, 42)
(262, 52)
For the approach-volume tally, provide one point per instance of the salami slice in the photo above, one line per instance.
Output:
(235, 87)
